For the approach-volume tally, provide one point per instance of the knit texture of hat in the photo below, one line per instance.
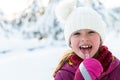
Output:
(79, 18)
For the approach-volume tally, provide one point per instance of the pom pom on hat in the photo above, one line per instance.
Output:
(79, 18)
(63, 9)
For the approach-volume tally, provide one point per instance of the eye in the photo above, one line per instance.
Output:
(91, 32)
(76, 33)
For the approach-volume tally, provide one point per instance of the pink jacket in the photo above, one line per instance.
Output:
(67, 72)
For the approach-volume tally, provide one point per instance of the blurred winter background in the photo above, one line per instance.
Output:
(32, 41)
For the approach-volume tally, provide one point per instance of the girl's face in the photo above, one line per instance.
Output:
(85, 43)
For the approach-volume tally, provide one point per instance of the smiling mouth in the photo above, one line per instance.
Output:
(86, 49)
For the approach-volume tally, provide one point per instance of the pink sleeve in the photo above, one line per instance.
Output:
(64, 75)
(58, 76)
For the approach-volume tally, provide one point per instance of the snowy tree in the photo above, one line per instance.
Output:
(38, 21)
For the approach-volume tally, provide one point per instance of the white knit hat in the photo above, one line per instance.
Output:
(79, 18)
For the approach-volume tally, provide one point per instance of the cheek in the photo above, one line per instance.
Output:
(74, 43)
(95, 40)
(96, 44)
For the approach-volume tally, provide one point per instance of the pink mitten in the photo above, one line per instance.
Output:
(89, 69)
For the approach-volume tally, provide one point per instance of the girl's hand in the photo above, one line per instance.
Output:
(89, 69)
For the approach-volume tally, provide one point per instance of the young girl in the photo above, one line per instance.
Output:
(88, 58)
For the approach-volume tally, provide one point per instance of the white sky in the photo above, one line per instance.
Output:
(13, 6)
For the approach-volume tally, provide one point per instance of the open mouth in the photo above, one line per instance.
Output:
(85, 49)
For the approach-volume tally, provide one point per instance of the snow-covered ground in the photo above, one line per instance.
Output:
(29, 65)
(28, 59)
(35, 60)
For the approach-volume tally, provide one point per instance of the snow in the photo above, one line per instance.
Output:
(25, 65)
(27, 59)
(36, 60)
(113, 43)
(111, 3)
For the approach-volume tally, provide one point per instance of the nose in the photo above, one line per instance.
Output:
(84, 38)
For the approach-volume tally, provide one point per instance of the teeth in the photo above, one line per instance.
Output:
(85, 46)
